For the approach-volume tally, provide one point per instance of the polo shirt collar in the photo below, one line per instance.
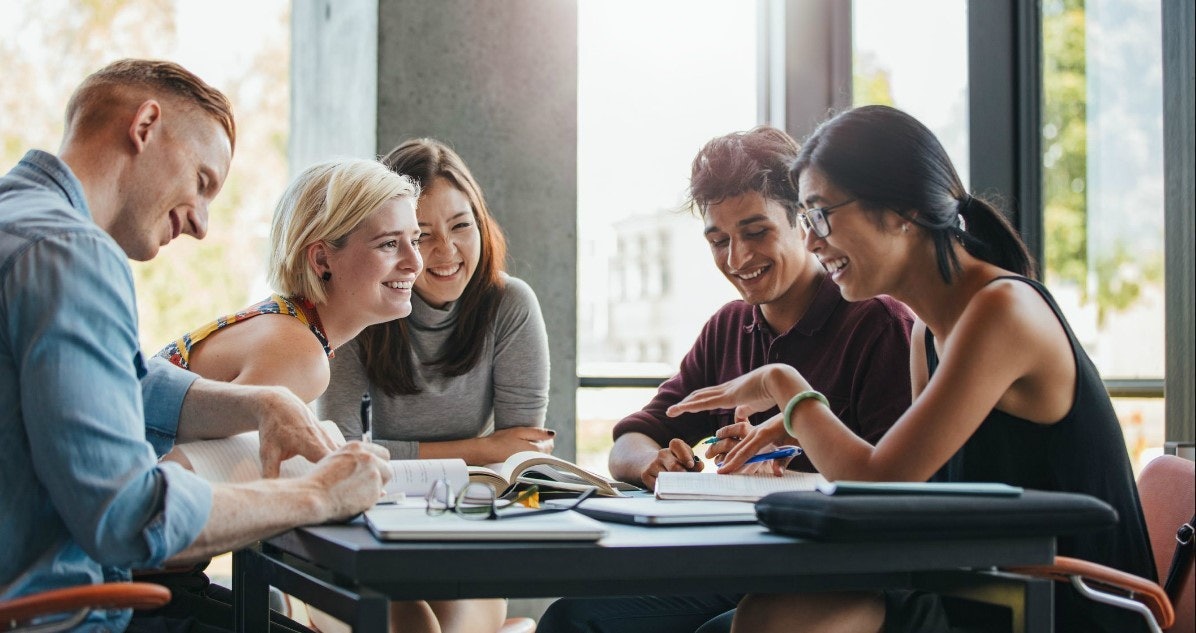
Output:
(817, 314)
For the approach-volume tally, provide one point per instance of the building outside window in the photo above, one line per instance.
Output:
(656, 80)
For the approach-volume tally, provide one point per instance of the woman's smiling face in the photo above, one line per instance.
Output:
(863, 254)
(451, 243)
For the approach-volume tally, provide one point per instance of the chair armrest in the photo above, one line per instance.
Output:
(113, 595)
(1141, 590)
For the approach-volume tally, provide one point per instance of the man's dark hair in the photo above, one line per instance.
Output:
(732, 165)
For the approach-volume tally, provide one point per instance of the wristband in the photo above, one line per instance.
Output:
(793, 403)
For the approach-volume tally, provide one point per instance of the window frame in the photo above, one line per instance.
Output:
(805, 55)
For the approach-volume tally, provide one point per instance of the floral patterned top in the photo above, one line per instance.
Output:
(179, 351)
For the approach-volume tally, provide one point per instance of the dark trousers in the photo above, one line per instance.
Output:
(197, 606)
(640, 614)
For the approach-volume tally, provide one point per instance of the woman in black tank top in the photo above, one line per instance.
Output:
(1003, 391)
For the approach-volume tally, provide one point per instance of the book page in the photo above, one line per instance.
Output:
(489, 475)
(674, 485)
(415, 476)
(236, 459)
(554, 472)
(549, 466)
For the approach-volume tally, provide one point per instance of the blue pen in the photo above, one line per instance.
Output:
(780, 453)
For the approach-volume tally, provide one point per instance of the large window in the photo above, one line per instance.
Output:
(921, 68)
(656, 80)
(1102, 178)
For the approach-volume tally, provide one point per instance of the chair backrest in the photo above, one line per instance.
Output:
(1167, 487)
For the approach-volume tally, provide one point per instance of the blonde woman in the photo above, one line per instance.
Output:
(343, 255)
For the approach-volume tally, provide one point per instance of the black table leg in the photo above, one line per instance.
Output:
(251, 592)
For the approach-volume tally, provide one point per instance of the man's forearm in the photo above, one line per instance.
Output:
(214, 409)
(631, 453)
(244, 513)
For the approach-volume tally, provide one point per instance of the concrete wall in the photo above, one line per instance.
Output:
(334, 80)
(495, 80)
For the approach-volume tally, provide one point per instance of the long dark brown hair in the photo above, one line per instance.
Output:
(889, 160)
(386, 347)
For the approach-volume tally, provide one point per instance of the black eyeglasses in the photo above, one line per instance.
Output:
(478, 501)
(815, 219)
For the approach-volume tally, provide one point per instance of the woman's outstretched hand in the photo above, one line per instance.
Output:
(763, 438)
(758, 390)
(750, 393)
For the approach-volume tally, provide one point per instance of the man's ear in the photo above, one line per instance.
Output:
(147, 124)
(317, 257)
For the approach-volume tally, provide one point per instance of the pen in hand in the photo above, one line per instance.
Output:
(367, 417)
(781, 453)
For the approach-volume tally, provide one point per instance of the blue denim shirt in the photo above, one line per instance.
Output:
(82, 497)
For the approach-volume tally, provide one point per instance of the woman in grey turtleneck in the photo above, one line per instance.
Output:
(466, 375)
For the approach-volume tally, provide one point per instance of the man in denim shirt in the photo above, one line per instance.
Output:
(82, 418)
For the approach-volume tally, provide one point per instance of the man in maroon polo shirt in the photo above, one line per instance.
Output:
(856, 354)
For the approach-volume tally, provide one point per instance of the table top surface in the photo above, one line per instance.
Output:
(636, 552)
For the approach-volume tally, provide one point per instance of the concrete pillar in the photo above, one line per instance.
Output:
(495, 80)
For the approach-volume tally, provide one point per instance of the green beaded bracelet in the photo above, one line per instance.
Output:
(793, 403)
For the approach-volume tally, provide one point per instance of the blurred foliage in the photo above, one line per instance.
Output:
(189, 283)
(1065, 141)
(871, 82)
(1112, 280)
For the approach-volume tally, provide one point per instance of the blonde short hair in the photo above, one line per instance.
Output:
(324, 204)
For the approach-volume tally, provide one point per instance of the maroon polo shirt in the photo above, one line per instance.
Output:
(856, 354)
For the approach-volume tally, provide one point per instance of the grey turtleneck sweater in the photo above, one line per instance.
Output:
(507, 388)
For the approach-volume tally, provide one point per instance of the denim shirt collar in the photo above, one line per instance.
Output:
(50, 171)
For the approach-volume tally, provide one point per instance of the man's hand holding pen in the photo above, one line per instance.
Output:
(676, 457)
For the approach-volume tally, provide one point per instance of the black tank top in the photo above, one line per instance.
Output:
(1084, 452)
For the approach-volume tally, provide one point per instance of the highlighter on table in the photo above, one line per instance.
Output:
(780, 453)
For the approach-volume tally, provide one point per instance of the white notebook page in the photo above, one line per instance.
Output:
(674, 485)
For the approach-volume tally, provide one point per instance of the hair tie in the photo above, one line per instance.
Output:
(964, 207)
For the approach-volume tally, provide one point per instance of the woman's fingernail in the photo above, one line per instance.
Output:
(550, 431)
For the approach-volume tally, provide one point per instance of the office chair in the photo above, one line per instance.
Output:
(1166, 487)
(76, 602)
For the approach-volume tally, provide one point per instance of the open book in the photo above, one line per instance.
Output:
(236, 459)
(674, 485)
(531, 467)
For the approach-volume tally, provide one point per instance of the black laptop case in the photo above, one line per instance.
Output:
(820, 516)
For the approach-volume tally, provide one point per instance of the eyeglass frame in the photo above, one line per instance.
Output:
(492, 513)
(809, 218)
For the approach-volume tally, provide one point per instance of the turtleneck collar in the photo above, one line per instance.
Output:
(425, 317)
